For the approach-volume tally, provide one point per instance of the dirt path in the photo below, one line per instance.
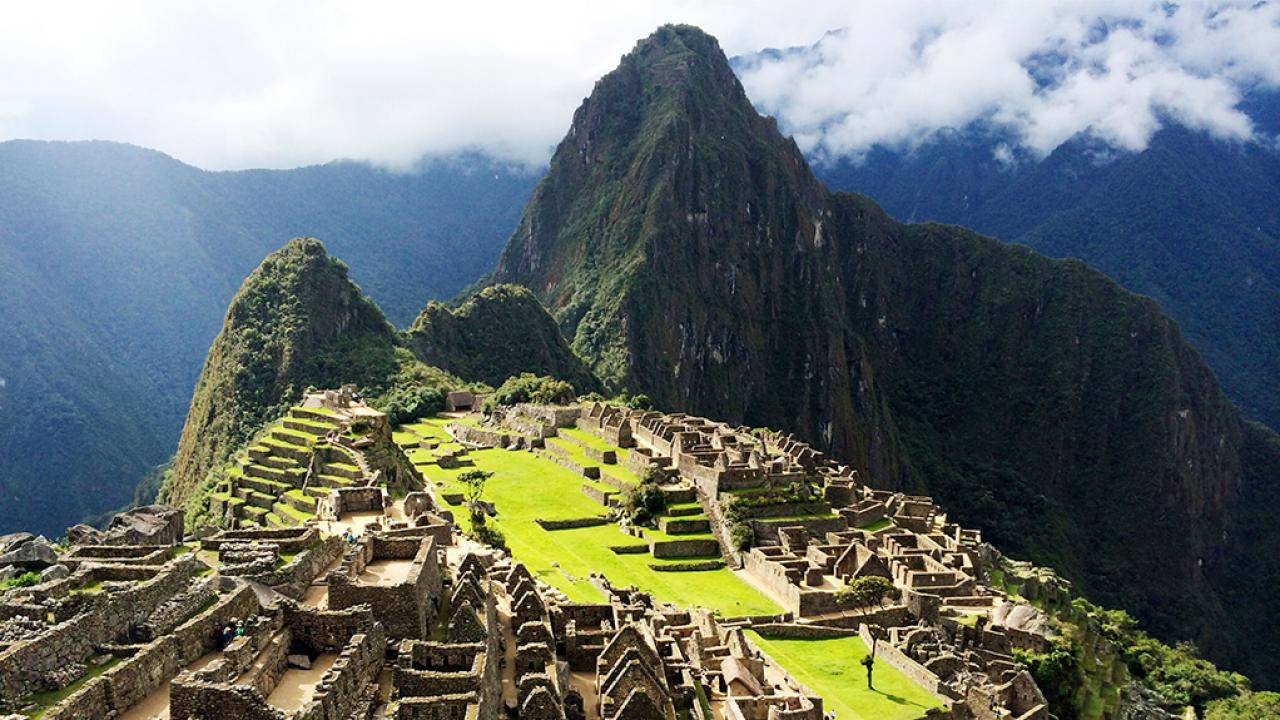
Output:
(386, 572)
(297, 687)
(357, 522)
(156, 705)
(584, 681)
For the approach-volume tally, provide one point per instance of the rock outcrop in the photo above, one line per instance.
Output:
(148, 525)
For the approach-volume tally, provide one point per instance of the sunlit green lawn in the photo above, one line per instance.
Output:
(832, 669)
(526, 487)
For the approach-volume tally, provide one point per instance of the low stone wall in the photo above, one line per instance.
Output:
(293, 579)
(599, 495)
(787, 510)
(917, 673)
(289, 540)
(126, 684)
(590, 472)
(817, 527)
(572, 523)
(800, 631)
(691, 566)
(683, 548)
(26, 666)
(115, 554)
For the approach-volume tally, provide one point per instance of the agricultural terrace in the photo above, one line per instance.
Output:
(526, 487)
(833, 669)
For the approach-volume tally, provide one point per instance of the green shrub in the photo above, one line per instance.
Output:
(26, 579)
(488, 534)
(1248, 706)
(865, 591)
(741, 536)
(530, 388)
(644, 502)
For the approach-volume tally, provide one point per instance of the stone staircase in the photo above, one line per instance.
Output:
(286, 471)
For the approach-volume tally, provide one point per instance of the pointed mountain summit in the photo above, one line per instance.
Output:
(687, 252)
(296, 321)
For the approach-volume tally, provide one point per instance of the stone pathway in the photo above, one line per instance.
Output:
(156, 705)
(297, 686)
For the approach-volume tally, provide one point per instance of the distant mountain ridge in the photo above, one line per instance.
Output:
(688, 252)
(1191, 221)
(119, 262)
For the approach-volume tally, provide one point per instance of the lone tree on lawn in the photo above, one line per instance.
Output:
(473, 482)
(869, 661)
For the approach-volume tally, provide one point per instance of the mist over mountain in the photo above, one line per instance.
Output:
(118, 264)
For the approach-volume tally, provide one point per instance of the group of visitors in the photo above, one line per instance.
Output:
(350, 537)
(228, 632)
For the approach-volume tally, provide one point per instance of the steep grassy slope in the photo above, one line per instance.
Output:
(688, 251)
(118, 263)
(297, 321)
(497, 333)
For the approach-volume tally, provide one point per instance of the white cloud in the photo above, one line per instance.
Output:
(252, 84)
(1042, 72)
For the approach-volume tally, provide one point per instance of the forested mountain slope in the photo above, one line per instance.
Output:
(687, 250)
(118, 264)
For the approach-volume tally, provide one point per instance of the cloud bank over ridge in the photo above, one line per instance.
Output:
(240, 84)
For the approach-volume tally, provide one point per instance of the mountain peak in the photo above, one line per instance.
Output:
(294, 322)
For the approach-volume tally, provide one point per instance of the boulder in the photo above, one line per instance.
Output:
(34, 554)
(147, 525)
(84, 535)
(299, 661)
(9, 572)
(13, 540)
(54, 572)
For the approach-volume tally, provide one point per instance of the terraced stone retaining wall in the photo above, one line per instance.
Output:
(126, 684)
(26, 666)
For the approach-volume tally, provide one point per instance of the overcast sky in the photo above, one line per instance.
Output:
(256, 84)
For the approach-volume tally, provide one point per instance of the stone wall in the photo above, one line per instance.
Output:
(683, 548)
(816, 527)
(914, 671)
(555, 415)
(358, 499)
(126, 684)
(293, 579)
(406, 608)
(289, 540)
(26, 666)
(590, 472)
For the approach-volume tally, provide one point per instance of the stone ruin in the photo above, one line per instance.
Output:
(406, 623)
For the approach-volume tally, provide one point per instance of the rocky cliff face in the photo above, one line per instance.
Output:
(688, 252)
(296, 321)
(499, 332)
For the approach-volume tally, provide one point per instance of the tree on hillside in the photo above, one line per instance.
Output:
(473, 482)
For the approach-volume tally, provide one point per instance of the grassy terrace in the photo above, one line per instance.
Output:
(575, 453)
(832, 669)
(526, 487)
